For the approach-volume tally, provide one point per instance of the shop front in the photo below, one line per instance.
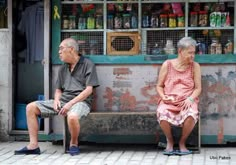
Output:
(129, 40)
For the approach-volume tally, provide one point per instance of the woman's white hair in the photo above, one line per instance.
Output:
(186, 42)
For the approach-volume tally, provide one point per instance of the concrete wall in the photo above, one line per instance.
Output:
(132, 88)
(5, 84)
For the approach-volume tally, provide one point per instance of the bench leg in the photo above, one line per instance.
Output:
(199, 134)
(66, 136)
(199, 137)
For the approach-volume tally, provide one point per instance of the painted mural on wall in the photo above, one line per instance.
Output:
(134, 89)
(128, 89)
(218, 95)
(218, 103)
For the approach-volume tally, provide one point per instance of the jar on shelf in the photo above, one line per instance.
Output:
(180, 20)
(99, 22)
(201, 46)
(169, 48)
(154, 21)
(203, 18)
(218, 48)
(172, 20)
(134, 21)
(110, 20)
(82, 47)
(156, 50)
(215, 47)
(145, 20)
(82, 22)
(193, 19)
(118, 21)
(91, 22)
(72, 24)
(126, 21)
(65, 22)
(163, 20)
(93, 45)
(228, 48)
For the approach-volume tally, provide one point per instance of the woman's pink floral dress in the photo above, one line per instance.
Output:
(180, 85)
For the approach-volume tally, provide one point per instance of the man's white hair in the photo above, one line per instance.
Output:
(70, 42)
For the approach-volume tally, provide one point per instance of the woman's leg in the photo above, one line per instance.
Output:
(166, 127)
(186, 130)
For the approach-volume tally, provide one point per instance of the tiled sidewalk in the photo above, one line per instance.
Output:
(113, 154)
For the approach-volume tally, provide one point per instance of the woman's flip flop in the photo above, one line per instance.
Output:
(166, 152)
(188, 152)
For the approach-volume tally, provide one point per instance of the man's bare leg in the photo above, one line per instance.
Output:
(186, 130)
(74, 128)
(32, 112)
(166, 127)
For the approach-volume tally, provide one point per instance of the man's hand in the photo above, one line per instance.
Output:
(65, 109)
(57, 105)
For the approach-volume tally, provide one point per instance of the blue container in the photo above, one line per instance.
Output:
(20, 117)
(41, 97)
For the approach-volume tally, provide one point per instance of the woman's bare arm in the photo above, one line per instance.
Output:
(197, 81)
(161, 79)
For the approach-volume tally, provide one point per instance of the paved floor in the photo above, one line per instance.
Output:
(113, 154)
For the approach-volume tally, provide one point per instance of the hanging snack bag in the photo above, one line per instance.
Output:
(177, 8)
(227, 19)
(223, 19)
(218, 19)
(213, 19)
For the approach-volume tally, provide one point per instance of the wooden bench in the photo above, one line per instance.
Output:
(127, 127)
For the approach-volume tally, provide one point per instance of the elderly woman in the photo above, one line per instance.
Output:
(179, 85)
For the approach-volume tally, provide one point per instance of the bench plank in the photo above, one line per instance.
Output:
(127, 127)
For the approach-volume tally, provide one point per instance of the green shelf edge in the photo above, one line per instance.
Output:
(156, 59)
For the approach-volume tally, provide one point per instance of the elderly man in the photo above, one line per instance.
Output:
(73, 97)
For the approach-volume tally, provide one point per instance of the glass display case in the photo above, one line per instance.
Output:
(155, 24)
